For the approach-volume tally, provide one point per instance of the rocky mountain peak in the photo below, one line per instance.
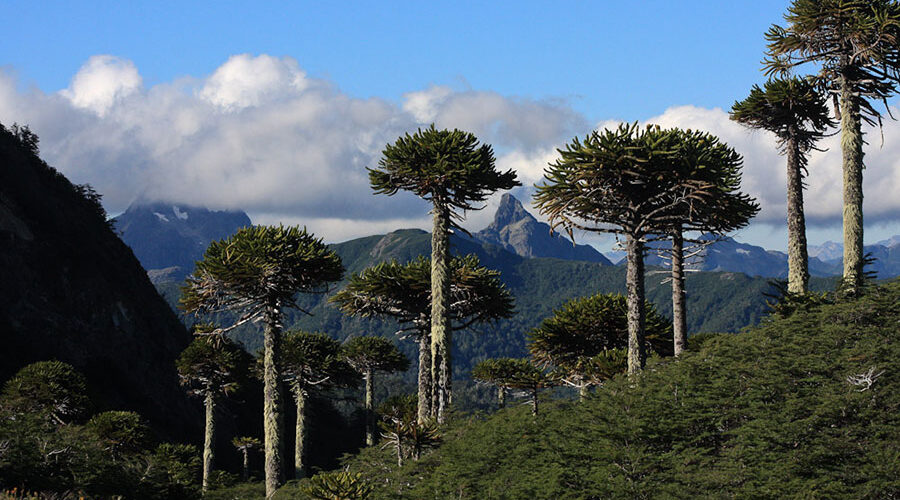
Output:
(510, 212)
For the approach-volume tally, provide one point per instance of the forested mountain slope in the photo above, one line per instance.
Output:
(71, 290)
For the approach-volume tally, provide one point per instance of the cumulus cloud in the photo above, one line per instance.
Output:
(102, 81)
(261, 135)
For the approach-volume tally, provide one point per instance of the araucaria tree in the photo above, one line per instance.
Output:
(618, 181)
(855, 45)
(514, 373)
(708, 175)
(403, 292)
(257, 272)
(453, 171)
(794, 110)
(367, 355)
(585, 341)
(211, 368)
(312, 360)
(245, 444)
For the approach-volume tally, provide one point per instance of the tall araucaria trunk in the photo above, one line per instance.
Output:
(300, 435)
(852, 156)
(425, 384)
(245, 472)
(534, 403)
(273, 415)
(501, 396)
(440, 304)
(798, 258)
(370, 408)
(679, 306)
(583, 392)
(209, 439)
(634, 281)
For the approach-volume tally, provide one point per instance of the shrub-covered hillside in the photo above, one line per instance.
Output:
(807, 406)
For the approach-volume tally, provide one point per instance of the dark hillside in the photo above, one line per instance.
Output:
(71, 290)
(803, 407)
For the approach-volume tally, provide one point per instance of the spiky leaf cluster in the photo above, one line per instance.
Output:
(337, 485)
(50, 388)
(449, 168)
(374, 353)
(512, 373)
(403, 292)
(709, 173)
(259, 267)
(587, 338)
(314, 359)
(122, 431)
(242, 443)
(614, 181)
(790, 108)
(856, 40)
(213, 366)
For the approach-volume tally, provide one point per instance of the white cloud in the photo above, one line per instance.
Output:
(102, 81)
(259, 134)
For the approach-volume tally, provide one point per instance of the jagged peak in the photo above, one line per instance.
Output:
(509, 212)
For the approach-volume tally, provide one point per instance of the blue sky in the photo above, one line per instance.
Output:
(145, 98)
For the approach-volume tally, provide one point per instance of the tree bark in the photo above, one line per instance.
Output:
(425, 385)
(273, 415)
(501, 396)
(798, 258)
(245, 475)
(209, 439)
(852, 156)
(440, 302)
(583, 392)
(679, 304)
(634, 278)
(370, 408)
(534, 403)
(300, 436)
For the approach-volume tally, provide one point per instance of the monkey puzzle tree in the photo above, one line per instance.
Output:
(855, 44)
(52, 389)
(708, 173)
(244, 445)
(403, 431)
(585, 341)
(514, 373)
(403, 292)
(257, 272)
(794, 110)
(311, 360)
(619, 181)
(367, 355)
(210, 368)
(453, 171)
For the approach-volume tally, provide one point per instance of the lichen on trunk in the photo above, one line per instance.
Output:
(273, 416)
(370, 408)
(300, 435)
(425, 380)
(679, 306)
(798, 267)
(852, 161)
(634, 278)
(209, 440)
(440, 298)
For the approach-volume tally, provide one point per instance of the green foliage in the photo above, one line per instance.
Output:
(246, 443)
(375, 354)
(448, 168)
(314, 359)
(403, 292)
(791, 108)
(804, 406)
(52, 389)
(258, 268)
(512, 373)
(854, 40)
(213, 366)
(401, 429)
(175, 469)
(122, 432)
(339, 485)
(586, 338)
